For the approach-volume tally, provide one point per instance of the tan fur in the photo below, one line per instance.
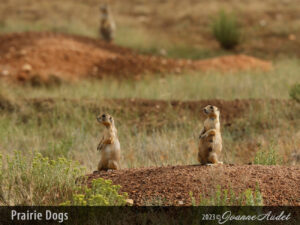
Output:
(109, 145)
(210, 139)
(107, 24)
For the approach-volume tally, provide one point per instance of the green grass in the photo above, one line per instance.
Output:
(31, 179)
(143, 42)
(190, 86)
(68, 128)
(182, 29)
(295, 92)
(225, 197)
(226, 30)
(101, 193)
(267, 157)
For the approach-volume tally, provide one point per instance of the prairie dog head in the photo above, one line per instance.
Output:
(211, 111)
(104, 9)
(106, 119)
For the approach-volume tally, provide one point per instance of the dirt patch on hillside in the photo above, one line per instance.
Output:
(42, 56)
(171, 185)
(229, 109)
(149, 112)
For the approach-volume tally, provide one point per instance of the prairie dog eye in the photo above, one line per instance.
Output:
(103, 116)
(211, 107)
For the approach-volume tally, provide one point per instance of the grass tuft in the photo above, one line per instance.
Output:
(102, 193)
(37, 180)
(225, 197)
(267, 157)
(295, 92)
(226, 31)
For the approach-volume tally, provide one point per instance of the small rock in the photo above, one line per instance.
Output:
(7, 56)
(12, 49)
(26, 67)
(292, 37)
(180, 202)
(163, 52)
(23, 52)
(95, 70)
(129, 201)
(177, 70)
(4, 72)
(164, 61)
(262, 23)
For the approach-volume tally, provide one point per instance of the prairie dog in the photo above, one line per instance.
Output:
(210, 140)
(109, 145)
(107, 24)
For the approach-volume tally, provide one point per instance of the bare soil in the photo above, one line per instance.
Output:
(147, 108)
(171, 185)
(44, 56)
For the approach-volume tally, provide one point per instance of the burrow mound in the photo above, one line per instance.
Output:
(279, 185)
(46, 56)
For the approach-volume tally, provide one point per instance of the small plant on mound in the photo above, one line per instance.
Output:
(36, 180)
(267, 157)
(226, 31)
(225, 197)
(295, 92)
(101, 193)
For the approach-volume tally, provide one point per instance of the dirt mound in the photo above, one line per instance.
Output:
(45, 55)
(233, 63)
(279, 185)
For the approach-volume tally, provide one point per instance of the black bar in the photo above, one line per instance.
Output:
(150, 215)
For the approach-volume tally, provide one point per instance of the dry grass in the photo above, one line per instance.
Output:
(58, 127)
(60, 121)
(68, 127)
(267, 25)
(193, 86)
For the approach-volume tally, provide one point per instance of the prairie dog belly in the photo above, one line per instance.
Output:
(107, 151)
(111, 150)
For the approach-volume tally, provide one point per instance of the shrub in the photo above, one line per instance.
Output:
(102, 193)
(36, 180)
(223, 197)
(267, 157)
(295, 92)
(226, 31)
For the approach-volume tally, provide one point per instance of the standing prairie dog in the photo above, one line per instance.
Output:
(109, 145)
(107, 24)
(210, 140)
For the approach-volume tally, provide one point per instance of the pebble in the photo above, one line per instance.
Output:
(5, 73)
(129, 201)
(26, 67)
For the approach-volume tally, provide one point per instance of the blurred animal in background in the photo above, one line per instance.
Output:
(107, 24)
(210, 140)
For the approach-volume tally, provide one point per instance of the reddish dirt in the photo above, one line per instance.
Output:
(71, 57)
(230, 108)
(279, 185)
(149, 110)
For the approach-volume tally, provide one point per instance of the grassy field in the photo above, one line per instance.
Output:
(60, 121)
(260, 123)
(182, 28)
(191, 86)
